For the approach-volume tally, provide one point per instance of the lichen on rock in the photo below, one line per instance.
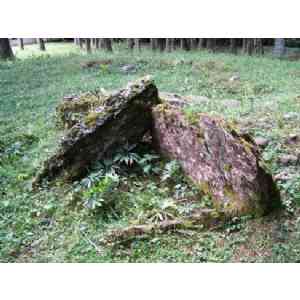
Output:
(123, 117)
(223, 163)
(74, 108)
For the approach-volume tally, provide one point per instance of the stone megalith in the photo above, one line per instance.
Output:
(221, 162)
(124, 117)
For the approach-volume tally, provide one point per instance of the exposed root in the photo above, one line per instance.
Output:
(203, 219)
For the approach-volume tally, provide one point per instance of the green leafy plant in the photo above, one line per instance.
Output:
(100, 193)
(127, 156)
(104, 69)
(172, 171)
(147, 161)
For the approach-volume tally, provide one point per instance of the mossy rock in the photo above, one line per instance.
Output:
(221, 162)
(73, 109)
(124, 117)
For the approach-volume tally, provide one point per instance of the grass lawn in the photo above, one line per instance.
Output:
(45, 226)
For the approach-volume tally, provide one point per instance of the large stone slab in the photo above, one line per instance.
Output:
(224, 164)
(123, 117)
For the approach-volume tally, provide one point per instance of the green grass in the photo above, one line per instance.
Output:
(42, 226)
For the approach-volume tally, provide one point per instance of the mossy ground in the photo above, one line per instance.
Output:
(41, 227)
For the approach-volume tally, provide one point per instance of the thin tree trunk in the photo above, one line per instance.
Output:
(137, 44)
(169, 45)
(102, 43)
(182, 44)
(173, 45)
(194, 44)
(233, 46)
(81, 42)
(201, 44)
(188, 44)
(97, 44)
(249, 47)
(211, 44)
(41, 44)
(130, 44)
(153, 44)
(244, 47)
(258, 46)
(21, 43)
(88, 45)
(185, 44)
(161, 44)
(107, 45)
(5, 49)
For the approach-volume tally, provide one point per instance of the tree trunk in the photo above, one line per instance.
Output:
(153, 44)
(161, 44)
(107, 45)
(211, 44)
(21, 43)
(88, 45)
(249, 46)
(194, 44)
(5, 49)
(173, 45)
(169, 45)
(81, 42)
(279, 48)
(137, 44)
(102, 43)
(233, 46)
(185, 44)
(244, 47)
(41, 44)
(182, 44)
(188, 44)
(201, 44)
(258, 46)
(130, 44)
(97, 43)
